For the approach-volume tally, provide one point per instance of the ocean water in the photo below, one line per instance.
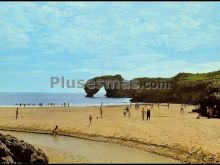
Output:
(74, 99)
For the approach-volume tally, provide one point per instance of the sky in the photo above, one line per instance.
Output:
(81, 40)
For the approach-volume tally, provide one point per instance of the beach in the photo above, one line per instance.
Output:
(169, 133)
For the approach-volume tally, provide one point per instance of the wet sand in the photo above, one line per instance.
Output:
(168, 133)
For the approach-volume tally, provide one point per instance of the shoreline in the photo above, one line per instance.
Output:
(84, 105)
(73, 106)
(173, 152)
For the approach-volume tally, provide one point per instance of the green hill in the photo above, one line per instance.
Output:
(184, 88)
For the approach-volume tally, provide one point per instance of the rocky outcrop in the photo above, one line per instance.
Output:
(13, 151)
(110, 83)
(182, 88)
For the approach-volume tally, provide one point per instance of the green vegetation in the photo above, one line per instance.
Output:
(185, 88)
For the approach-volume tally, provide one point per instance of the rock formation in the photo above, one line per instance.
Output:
(110, 83)
(185, 87)
(15, 151)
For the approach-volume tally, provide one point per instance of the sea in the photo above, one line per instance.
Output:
(58, 99)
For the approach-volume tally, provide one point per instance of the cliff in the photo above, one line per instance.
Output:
(183, 88)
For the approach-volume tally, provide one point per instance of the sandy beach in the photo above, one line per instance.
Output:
(169, 133)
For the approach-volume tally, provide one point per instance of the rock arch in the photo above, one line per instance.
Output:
(109, 82)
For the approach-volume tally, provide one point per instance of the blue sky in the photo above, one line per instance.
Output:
(80, 40)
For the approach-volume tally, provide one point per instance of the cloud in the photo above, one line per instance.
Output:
(95, 38)
(99, 27)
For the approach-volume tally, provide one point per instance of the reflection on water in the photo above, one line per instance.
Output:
(63, 149)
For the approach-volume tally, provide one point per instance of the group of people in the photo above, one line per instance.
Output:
(136, 106)
(127, 111)
(21, 104)
(216, 111)
(101, 115)
(66, 104)
(147, 112)
(41, 104)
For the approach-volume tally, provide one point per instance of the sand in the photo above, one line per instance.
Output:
(169, 133)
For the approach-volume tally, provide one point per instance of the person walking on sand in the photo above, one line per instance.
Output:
(124, 112)
(129, 113)
(90, 120)
(181, 110)
(101, 112)
(148, 114)
(142, 112)
(16, 113)
(127, 109)
(55, 131)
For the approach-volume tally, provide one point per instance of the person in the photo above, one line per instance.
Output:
(168, 105)
(158, 105)
(143, 112)
(181, 110)
(64, 104)
(100, 112)
(124, 112)
(127, 109)
(207, 111)
(129, 113)
(148, 114)
(90, 120)
(210, 112)
(101, 104)
(55, 131)
(68, 104)
(130, 105)
(16, 113)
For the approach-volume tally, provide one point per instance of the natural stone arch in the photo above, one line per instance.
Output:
(93, 85)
